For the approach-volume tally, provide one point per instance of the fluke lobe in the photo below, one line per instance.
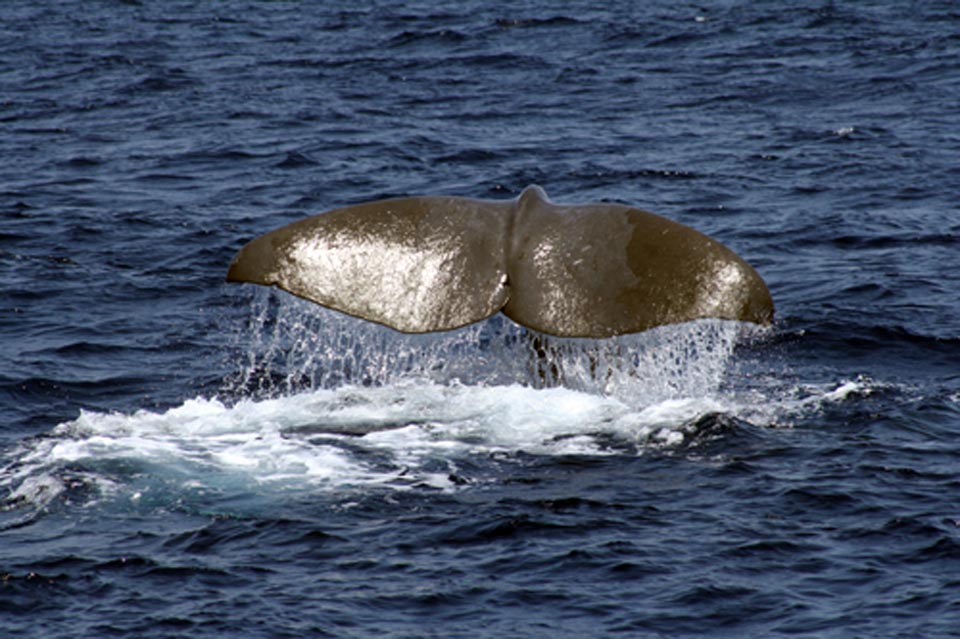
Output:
(434, 263)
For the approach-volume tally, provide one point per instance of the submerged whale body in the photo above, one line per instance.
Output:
(434, 263)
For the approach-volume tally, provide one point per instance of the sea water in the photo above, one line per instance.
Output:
(183, 457)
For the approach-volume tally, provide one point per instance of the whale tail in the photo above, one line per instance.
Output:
(435, 263)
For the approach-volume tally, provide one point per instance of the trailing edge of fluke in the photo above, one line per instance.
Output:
(435, 263)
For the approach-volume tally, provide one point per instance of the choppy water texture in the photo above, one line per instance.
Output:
(182, 457)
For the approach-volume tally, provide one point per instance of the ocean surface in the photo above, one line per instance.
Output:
(181, 457)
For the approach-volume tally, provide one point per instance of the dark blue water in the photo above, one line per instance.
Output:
(183, 457)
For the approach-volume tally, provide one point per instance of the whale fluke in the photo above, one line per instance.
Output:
(435, 263)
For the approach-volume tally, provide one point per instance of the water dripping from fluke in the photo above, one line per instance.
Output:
(289, 346)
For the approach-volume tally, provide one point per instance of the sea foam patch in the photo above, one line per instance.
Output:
(397, 437)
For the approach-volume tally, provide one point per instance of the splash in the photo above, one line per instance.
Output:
(394, 436)
(408, 435)
(325, 402)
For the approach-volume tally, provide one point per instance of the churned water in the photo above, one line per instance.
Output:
(183, 457)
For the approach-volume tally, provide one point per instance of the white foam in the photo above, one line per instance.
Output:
(403, 435)
(296, 442)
